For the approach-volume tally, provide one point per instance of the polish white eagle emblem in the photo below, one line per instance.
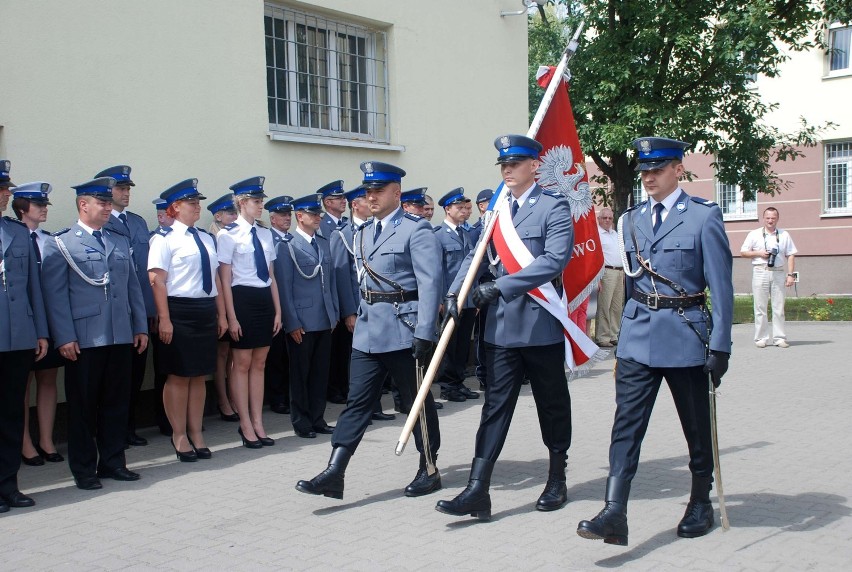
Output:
(555, 174)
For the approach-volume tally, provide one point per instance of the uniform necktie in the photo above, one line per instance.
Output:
(460, 232)
(259, 258)
(98, 234)
(378, 231)
(658, 216)
(206, 275)
(34, 238)
(315, 245)
(123, 218)
(515, 208)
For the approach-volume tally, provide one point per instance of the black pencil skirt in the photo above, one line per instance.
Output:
(192, 352)
(255, 313)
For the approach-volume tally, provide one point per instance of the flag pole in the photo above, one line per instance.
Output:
(481, 246)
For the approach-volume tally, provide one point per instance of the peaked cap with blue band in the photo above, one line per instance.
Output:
(121, 174)
(415, 196)
(309, 203)
(513, 148)
(100, 188)
(380, 174)
(252, 187)
(5, 167)
(657, 152)
(484, 195)
(187, 189)
(453, 197)
(160, 204)
(355, 193)
(333, 189)
(282, 204)
(35, 192)
(223, 203)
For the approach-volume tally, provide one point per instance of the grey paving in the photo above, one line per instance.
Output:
(785, 438)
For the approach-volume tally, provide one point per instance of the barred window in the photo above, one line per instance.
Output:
(838, 177)
(325, 78)
(639, 193)
(840, 48)
(730, 199)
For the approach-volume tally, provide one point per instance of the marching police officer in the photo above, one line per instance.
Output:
(521, 336)
(97, 319)
(675, 247)
(398, 260)
(23, 338)
(276, 374)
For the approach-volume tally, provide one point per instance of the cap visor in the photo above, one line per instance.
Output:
(376, 184)
(651, 165)
(513, 159)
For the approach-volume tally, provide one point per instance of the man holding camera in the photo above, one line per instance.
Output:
(769, 248)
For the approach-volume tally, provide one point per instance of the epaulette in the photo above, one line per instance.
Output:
(41, 230)
(552, 193)
(163, 230)
(63, 231)
(366, 224)
(700, 201)
(413, 217)
(10, 219)
(321, 236)
(231, 226)
(136, 215)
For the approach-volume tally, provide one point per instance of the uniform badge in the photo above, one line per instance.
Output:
(368, 167)
(125, 170)
(532, 201)
(78, 233)
(504, 142)
(681, 206)
(90, 250)
(645, 146)
(397, 222)
(643, 210)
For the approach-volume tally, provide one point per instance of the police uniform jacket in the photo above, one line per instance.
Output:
(328, 226)
(691, 249)
(455, 249)
(136, 233)
(546, 228)
(407, 253)
(475, 231)
(91, 315)
(307, 303)
(22, 313)
(343, 260)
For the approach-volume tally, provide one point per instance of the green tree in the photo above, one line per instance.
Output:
(681, 69)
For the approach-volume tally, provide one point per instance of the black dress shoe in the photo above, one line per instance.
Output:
(4, 506)
(381, 416)
(266, 441)
(119, 474)
(452, 395)
(88, 483)
(249, 444)
(36, 461)
(135, 440)
(185, 456)
(49, 457)
(17, 499)
(423, 484)
(280, 408)
(467, 392)
(439, 405)
(201, 452)
(338, 399)
(232, 417)
(324, 430)
(306, 434)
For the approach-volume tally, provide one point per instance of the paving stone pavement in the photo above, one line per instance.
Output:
(785, 439)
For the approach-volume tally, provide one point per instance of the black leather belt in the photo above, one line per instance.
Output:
(655, 301)
(619, 268)
(372, 297)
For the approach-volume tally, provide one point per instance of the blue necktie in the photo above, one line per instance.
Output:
(206, 275)
(34, 238)
(98, 234)
(315, 245)
(378, 231)
(460, 232)
(658, 216)
(123, 218)
(515, 208)
(259, 258)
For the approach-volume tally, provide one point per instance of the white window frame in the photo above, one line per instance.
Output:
(638, 194)
(329, 130)
(833, 29)
(742, 210)
(844, 159)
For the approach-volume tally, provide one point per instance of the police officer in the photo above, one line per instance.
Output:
(164, 221)
(414, 201)
(521, 336)
(398, 260)
(134, 228)
(276, 374)
(455, 245)
(674, 248)
(97, 319)
(482, 201)
(23, 338)
(334, 203)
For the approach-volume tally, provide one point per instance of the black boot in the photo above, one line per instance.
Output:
(611, 523)
(555, 494)
(330, 481)
(698, 518)
(474, 499)
(423, 482)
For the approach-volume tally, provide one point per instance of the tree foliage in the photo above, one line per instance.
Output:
(681, 69)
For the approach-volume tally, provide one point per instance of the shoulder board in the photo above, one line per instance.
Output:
(10, 219)
(413, 217)
(63, 231)
(41, 230)
(321, 236)
(231, 226)
(552, 193)
(636, 206)
(134, 215)
(436, 229)
(700, 201)
(163, 230)
(366, 224)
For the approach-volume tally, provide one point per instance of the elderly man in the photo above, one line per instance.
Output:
(611, 290)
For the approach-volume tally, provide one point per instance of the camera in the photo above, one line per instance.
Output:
(772, 254)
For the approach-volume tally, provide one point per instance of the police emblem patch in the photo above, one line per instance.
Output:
(645, 146)
(504, 142)
(368, 167)
(681, 206)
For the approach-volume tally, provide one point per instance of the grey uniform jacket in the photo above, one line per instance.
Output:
(407, 253)
(691, 249)
(545, 226)
(455, 250)
(343, 260)
(89, 315)
(22, 313)
(138, 238)
(310, 304)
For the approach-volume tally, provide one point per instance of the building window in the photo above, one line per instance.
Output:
(325, 78)
(639, 193)
(840, 48)
(730, 199)
(838, 177)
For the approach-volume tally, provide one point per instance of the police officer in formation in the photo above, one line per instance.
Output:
(97, 320)
(398, 260)
(521, 336)
(277, 371)
(482, 201)
(675, 247)
(23, 339)
(414, 201)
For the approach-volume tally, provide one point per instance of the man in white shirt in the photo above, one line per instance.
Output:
(611, 292)
(770, 250)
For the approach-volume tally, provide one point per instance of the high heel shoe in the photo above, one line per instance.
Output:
(266, 441)
(49, 457)
(201, 452)
(185, 457)
(36, 461)
(232, 417)
(249, 444)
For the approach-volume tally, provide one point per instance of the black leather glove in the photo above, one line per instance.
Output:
(716, 365)
(485, 294)
(451, 310)
(422, 350)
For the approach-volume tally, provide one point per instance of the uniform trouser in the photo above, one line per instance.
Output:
(309, 378)
(97, 387)
(137, 376)
(454, 362)
(479, 345)
(610, 306)
(636, 387)
(367, 373)
(338, 373)
(545, 366)
(15, 367)
(766, 285)
(276, 373)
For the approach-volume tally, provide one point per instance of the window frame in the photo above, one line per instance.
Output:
(846, 161)
(740, 205)
(831, 31)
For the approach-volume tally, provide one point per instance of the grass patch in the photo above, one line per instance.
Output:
(810, 309)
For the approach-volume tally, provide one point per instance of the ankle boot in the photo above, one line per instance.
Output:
(330, 481)
(555, 494)
(611, 523)
(423, 482)
(698, 518)
(474, 499)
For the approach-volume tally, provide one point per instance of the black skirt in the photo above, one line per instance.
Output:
(51, 360)
(255, 313)
(192, 352)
